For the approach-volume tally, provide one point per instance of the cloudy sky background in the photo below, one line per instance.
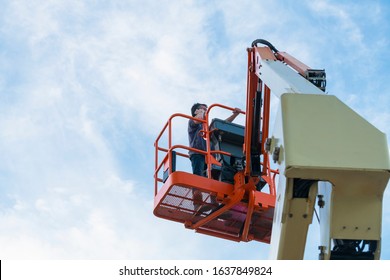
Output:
(86, 86)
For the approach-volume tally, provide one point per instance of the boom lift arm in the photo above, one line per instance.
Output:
(321, 149)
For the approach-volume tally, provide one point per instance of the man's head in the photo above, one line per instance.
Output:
(196, 107)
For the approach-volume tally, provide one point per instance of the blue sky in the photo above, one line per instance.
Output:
(86, 86)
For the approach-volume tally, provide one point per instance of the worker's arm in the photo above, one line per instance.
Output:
(236, 112)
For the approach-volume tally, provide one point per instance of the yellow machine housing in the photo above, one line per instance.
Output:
(317, 138)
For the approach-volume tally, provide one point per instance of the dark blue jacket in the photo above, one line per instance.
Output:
(195, 136)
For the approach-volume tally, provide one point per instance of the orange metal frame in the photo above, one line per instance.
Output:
(246, 213)
(239, 211)
(294, 63)
(255, 84)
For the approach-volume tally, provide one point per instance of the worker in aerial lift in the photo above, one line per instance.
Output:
(196, 141)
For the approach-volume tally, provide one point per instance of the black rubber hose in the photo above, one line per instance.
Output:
(264, 42)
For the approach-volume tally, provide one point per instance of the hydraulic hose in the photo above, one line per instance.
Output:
(264, 42)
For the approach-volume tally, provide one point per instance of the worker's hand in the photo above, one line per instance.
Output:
(200, 113)
(237, 111)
